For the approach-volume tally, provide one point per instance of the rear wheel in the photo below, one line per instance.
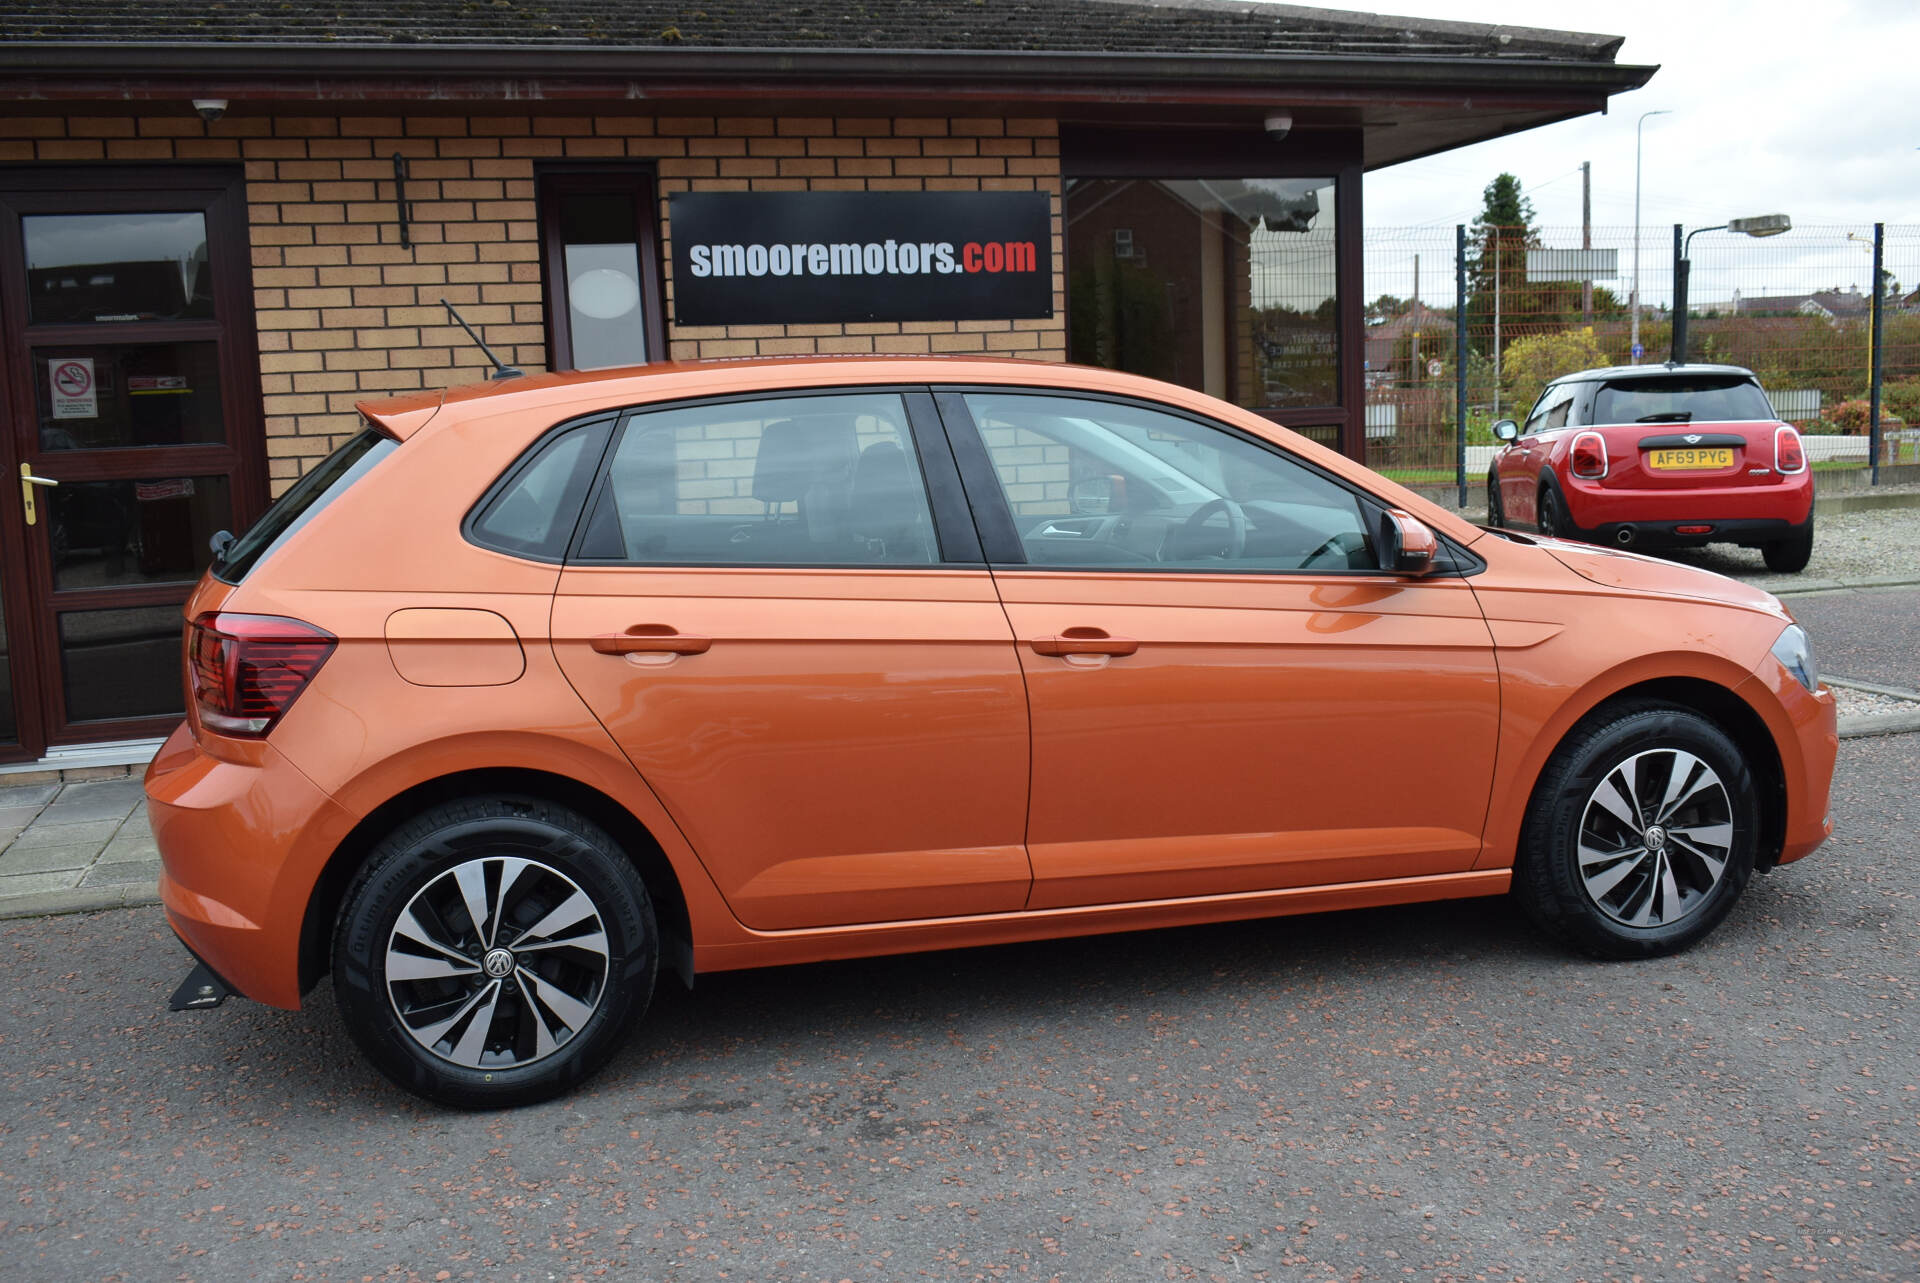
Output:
(1790, 555)
(1553, 514)
(493, 951)
(1641, 834)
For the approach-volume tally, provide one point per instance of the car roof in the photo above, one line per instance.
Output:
(1613, 373)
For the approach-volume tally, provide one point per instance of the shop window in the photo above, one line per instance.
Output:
(602, 269)
(1224, 285)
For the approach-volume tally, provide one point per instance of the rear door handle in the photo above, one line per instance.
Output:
(1084, 641)
(659, 639)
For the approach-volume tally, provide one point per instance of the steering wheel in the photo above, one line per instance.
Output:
(1346, 543)
(1194, 528)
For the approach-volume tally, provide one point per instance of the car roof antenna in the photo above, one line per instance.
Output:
(501, 370)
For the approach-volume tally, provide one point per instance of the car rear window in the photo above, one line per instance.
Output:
(292, 510)
(1681, 398)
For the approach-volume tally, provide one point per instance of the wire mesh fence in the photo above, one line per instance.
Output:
(1795, 308)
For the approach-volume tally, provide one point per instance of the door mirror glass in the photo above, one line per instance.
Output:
(1506, 430)
(1407, 545)
(1092, 496)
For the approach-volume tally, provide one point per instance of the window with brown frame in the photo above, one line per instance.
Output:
(601, 261)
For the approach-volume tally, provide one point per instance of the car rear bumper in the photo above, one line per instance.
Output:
(1688, 533)
(241, 845)
(1734, 514)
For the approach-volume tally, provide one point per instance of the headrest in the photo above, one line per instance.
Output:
(886, 494)
(796, 454)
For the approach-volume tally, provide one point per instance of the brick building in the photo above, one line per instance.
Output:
(222, 227)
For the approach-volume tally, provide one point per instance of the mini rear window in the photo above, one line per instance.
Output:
(326, 482)
(1694, 398)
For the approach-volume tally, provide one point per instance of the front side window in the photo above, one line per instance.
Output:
(1682, 398)
(1116, 485)
(814, 480)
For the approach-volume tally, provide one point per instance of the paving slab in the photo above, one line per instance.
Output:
(133, 842)
(44, 859)
(30, 795)
(105, 799)
(44, 833)
(143, 871)
(31, 884)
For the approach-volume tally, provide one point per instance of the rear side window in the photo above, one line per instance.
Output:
(1687, 398)
(827, 480)
(533, 509)
(328, 481)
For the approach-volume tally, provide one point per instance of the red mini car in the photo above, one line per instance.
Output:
(1657, 456)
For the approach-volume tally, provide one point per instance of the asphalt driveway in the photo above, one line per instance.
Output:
(1424, 1093)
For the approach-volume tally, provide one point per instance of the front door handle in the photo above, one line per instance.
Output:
(28, 482)
(656, 639)
(1084, 641)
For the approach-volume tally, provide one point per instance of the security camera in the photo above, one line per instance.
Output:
(1279, 125)
(210, 109)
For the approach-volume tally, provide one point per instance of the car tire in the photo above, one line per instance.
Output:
(1552, 514)
(1611, 861)
(1496, 516)
(493, 951)
(1790, 556)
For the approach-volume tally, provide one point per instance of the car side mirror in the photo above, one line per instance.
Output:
(1407, 546)
(1506, 430)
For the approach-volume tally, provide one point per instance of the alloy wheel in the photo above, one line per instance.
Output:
(1655, 838)
(496, 963)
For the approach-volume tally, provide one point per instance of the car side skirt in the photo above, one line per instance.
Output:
(820, 944)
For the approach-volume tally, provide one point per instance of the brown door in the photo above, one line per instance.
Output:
(132, 391)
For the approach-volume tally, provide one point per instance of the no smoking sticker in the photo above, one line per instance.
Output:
(75, 395)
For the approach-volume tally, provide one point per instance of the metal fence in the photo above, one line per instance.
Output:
(1796, 308)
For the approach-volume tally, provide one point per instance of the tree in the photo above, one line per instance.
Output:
(1537, 360)
(1502, 231)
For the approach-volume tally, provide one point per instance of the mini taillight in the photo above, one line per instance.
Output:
(1589, 457)
(246, 670)
(1789, 452)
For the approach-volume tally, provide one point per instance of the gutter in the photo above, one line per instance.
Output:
(142, 69)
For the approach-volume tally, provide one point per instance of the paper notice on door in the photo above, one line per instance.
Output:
(75, 395)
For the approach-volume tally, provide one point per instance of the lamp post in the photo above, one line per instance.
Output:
(1664, 111)
(1758, 225)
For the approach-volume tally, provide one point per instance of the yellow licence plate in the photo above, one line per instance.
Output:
(1681, 460)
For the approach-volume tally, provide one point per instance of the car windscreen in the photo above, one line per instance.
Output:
(328, 480)
(1681, 398)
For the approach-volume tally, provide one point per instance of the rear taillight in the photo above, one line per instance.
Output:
(1589, 458)
(246, 670)
(1789, 452)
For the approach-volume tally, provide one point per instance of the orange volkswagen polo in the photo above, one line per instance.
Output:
(535, 688)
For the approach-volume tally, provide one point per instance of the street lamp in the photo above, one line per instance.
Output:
(1758, 225)
(1664, 111)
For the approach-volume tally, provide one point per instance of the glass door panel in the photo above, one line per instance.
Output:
(104, 396)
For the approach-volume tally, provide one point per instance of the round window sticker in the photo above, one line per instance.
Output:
(603, 293)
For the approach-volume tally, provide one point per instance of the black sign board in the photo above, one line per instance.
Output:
(760, 258)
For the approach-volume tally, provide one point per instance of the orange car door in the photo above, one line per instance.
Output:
(811, 671)
(1225, 695)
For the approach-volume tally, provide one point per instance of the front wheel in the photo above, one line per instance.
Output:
(493, 951)
(1790, 556)
(1641, 834)
(1496, 515)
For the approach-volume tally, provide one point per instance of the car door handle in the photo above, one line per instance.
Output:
(656, 639)
(1084, 641)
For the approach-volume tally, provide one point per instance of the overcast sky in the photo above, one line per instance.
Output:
(1808, 109)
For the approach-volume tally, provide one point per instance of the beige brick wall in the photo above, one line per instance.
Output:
(344, 311)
